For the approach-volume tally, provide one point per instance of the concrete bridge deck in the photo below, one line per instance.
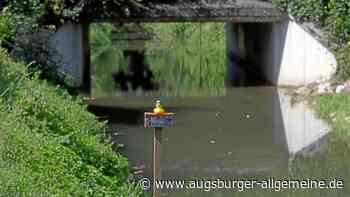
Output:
(214, 10)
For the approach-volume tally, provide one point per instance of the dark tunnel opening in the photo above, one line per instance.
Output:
(245, 55)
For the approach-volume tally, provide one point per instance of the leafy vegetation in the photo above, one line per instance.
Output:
(20, 28)
(333, 17)
(188, 56)
(183, 56)
(50, 145)
(23, 21)
(106, 58)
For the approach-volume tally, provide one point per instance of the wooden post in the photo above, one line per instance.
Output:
(157, 120)
(157, 138)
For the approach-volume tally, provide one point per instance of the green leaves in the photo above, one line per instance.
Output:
(303, 10)
(338, 22)
(343, 60)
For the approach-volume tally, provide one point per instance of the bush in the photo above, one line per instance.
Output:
(50, 145)
(338, 22)
(343, 60)
(303, 10)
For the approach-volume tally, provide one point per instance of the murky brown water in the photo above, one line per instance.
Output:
(239, 134)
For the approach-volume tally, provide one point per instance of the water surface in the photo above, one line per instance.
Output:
(240, 133)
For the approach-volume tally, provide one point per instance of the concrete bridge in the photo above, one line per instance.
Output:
(195, 11)
(282, 51)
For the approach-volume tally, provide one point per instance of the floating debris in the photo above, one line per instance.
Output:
(118, 134)
(137, 168)
(138, 172)
(248, 116)
(121, 145)
(89, 98)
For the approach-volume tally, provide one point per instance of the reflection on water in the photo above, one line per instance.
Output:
(243, 133)
(149, 56)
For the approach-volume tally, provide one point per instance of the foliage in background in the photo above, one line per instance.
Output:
(303, 10)
(106, 57)
(27, 26)
(6, 32)
(23, 34)
(182, 56)
(334, 17)
(188, 56)
(343, 60)
(50, 145)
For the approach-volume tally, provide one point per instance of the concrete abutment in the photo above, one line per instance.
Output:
(280, 54)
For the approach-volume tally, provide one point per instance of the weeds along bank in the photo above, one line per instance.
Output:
(50, 145)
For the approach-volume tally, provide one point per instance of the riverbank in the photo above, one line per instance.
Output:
(50, 144)
(334, 108)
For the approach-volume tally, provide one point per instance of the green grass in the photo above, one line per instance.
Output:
(50, 144)
(335, 109)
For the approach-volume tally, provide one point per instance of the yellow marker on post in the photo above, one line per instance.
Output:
(157, 119)
(158, 109)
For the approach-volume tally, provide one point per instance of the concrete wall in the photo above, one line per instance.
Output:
(294, 56)
(69, 43)
(284, 53)
(303, 131)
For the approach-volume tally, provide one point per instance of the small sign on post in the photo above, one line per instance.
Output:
(153, 120)
(157, 120)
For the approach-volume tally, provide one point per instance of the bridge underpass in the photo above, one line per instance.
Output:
(257, 35)
(272, 46)
(77, 58)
